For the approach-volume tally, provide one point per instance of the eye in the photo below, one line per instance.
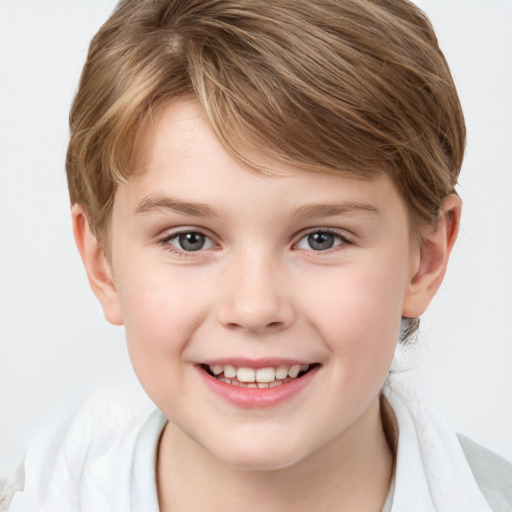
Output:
(321, 240)
(188, 241)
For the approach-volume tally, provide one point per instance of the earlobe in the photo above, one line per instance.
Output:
(434, 253)
(96, 265)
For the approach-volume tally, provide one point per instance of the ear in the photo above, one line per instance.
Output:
(433, 256)
(96, 265)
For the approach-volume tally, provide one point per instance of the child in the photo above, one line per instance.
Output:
(263, 193)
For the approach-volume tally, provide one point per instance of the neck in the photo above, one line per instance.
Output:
(350, 473)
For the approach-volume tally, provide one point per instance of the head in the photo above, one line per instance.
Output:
(352, 94)
(355, 88)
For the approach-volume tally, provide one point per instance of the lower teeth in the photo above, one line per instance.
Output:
(253, 385)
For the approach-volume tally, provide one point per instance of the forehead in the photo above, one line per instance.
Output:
(179, 158)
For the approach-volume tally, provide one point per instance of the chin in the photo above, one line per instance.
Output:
(256, 454)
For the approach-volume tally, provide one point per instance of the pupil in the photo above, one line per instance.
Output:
(192, 241)
(321, 241)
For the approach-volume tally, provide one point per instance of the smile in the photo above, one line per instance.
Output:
(260, 378)
(257, 385)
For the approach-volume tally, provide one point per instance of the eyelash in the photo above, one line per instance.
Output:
(342, 240)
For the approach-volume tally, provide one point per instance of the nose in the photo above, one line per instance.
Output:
(256, 296)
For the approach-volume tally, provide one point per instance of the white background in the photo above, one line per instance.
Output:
(55, 345)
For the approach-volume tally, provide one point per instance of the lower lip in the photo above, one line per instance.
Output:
(257, 398)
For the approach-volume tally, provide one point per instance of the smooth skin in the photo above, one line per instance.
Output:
(248, 278)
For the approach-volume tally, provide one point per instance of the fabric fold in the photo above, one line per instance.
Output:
(432, 472)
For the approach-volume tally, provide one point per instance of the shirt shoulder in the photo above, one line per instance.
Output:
(68, 466)
(492, 473)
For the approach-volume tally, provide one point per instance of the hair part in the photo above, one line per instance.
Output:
(354, 87)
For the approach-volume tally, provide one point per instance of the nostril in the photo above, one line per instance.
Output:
(255, 328)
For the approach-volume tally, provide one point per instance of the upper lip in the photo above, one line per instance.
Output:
(255, 363)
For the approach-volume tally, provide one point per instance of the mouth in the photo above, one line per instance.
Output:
(258, 378)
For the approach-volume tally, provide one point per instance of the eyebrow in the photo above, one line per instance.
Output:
(333, 209)
(194, 209)
(153, 203)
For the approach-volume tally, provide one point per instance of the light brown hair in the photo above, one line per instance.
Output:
(338, 86)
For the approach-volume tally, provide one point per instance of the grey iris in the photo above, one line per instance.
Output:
(321, 241)
(191, 241)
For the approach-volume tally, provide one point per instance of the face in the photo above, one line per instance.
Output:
(261, 312)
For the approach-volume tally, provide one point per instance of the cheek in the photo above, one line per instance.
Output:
(161, 309)
(358, 310)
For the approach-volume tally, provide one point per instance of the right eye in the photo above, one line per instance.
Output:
(187, 241)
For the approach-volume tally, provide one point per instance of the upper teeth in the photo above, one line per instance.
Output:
(269, 374)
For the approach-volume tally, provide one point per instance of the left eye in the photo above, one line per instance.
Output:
(189, 241)
(320, 241)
